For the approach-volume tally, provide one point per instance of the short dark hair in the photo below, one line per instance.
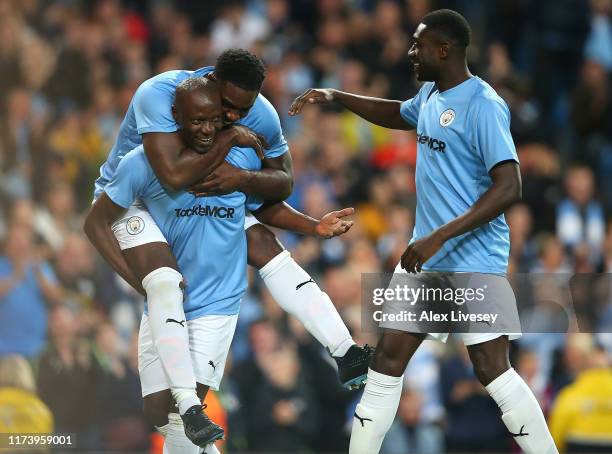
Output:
(241, 68)
(450, 23)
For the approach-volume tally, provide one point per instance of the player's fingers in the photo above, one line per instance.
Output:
(259, 149)
(343, 212)
(298, 102)
(405, 257)
(263, 141)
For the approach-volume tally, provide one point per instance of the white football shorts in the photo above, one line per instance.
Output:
(505, 303)
(210, 338)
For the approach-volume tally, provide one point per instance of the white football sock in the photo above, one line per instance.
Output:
(210, 449)
(176, 442)
(521, 413)
(375, 412)
(298, 294)
(170, 334)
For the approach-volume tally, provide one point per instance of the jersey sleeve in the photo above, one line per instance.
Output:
(132, 178)
(253, 203)
(492, 133)
(410, 109)
(269, 126)
(152, 105)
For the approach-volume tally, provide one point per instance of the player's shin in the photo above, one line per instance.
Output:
(169, 330)
(299, 295)
(521, 413)
(375, 412)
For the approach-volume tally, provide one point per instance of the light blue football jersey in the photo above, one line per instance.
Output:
(206, 234)
(462, 133)
(151, 111)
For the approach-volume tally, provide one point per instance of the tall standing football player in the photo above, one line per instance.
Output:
(467, 174)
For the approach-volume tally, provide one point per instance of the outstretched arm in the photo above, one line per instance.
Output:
(284, 217)
(382, 112)
(98, 229)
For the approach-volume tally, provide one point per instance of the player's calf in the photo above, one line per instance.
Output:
(299, 295)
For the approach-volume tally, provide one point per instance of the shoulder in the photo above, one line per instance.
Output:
(135, 161)
(485, 98)
(263, 116)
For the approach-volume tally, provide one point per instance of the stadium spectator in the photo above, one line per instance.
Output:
(21, 411)
(580, 420)
(27, 287)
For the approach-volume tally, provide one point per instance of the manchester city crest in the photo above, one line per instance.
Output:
(447, 117)
(135, 225)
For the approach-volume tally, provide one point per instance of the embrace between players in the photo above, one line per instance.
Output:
(197, 155)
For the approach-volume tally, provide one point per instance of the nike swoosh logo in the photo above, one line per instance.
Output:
(361, 420)
(299, 286)
(171, 320)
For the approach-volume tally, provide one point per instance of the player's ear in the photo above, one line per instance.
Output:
(443, 50)
(174, 113)
(211, 76)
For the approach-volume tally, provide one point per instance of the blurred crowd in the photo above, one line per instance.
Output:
(68, 325)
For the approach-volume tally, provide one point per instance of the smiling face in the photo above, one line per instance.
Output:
(199, 116)
(427, 53)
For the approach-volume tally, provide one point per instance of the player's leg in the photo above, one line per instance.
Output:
(299, 295)
(521, 412)
(376, 410)
(150, 258)
(182, 433)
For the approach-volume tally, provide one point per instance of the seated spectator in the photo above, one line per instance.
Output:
(21, 411)
(67, 376)
(580, 420)
(580, 217)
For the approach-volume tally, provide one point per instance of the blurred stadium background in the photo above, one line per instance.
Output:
(68, 69)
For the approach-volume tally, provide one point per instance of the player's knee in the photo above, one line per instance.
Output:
(388, 360)
(156, 407)
(162, 280)
(487, 368)
(262, 245)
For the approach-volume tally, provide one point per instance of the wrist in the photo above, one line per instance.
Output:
(245, 181)
(442, 234)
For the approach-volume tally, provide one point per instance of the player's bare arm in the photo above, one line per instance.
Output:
(274, 182)
(98, 229)
(284, 217)
(381, 112)
(505, 191)
(176, 168)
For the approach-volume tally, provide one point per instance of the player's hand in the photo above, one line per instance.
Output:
(225, 179)
(247, 138)
(420, 251)
(312, 96)
(333, 224)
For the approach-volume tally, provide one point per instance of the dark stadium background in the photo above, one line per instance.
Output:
(68, 69)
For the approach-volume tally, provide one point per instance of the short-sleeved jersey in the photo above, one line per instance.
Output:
(206, 234)
(151, 111)
(462, 133)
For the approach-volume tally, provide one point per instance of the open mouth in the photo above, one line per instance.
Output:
(205, 141)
